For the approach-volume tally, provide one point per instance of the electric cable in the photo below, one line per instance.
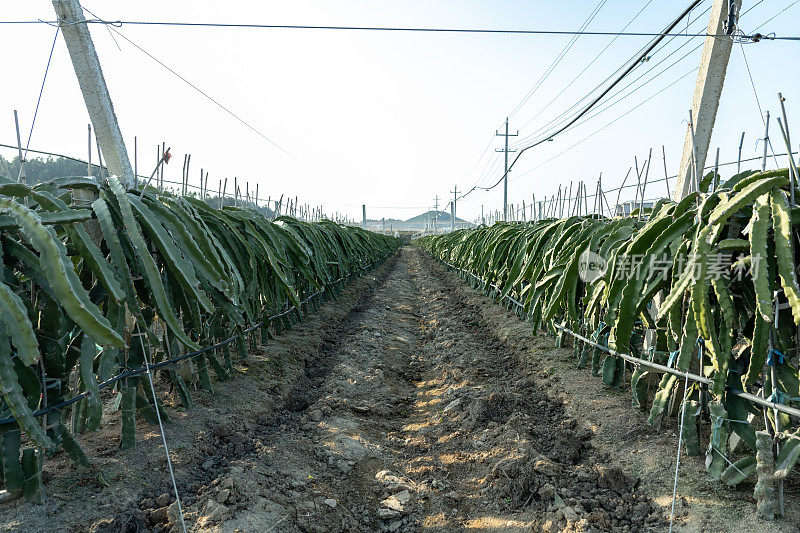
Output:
(560, 119)
(588, 108)
(198, 89)
(499, 31)
(776, 15)
(41, 91)
(592, 62)
(527, 138)
(557, 60)
(606, 125)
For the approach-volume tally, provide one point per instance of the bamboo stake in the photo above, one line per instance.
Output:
(666, 175)
(183, 176)
(644, 186)
(89, 163)
(619, 191)
(739, 160)
(224, 188)
(188, 163)
(585, 201)
(766, 143)
(793, 171)
(569, 195)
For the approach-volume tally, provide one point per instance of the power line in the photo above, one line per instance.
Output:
(216, 102)
(594, 102)
(46, 153)
(558, 59)
(560, 119)
(41, 92)
(548, 104)
(480, 158)
(776, 15)
(608, 124)
(699, 19)
(635, 89)
(496, 31)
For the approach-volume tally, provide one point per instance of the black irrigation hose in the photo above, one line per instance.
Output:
(791, 411)
(143, 369)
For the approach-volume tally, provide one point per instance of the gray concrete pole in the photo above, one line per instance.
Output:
(93, 86)
(505, 151)
(453, 210)
(505, 177)
(707, 92)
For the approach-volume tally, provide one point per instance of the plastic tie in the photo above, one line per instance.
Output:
(771, 357)
(778, 396)
(672, 357)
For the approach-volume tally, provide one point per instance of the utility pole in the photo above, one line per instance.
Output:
(453, 210)
(364, 216)
(707, 92)
(435, 211)
(505, 175)
(93, 86)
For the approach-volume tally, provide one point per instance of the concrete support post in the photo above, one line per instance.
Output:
(93, 86)
(707, 92)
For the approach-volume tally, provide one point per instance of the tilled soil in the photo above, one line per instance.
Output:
(415, 419)
(398, 408)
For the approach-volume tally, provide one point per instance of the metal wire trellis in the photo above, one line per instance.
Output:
(174, 360)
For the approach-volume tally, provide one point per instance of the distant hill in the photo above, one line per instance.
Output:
(419, 222)
(442, 217)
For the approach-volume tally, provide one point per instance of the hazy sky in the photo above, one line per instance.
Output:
(391, 119)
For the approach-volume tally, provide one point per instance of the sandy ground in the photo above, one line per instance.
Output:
(412, 403)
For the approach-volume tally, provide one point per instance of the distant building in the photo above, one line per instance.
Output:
(626, 208)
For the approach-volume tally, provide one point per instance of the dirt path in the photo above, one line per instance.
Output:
(410, 404)
(416, 419)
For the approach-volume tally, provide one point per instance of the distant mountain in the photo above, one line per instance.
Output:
(418, 223)
(442, 217)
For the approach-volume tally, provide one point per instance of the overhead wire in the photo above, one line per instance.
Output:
(674, 82)
(564, 51)
(776, 15)
(592, 62)
(561, 118)
(588, 108)
(198, 89)
(497, 31)
(486, 150)
(41, 92)
(613, 103)
(490, 169)
(698, 19)
(752, 81)
(624, 97)
(480, 157)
